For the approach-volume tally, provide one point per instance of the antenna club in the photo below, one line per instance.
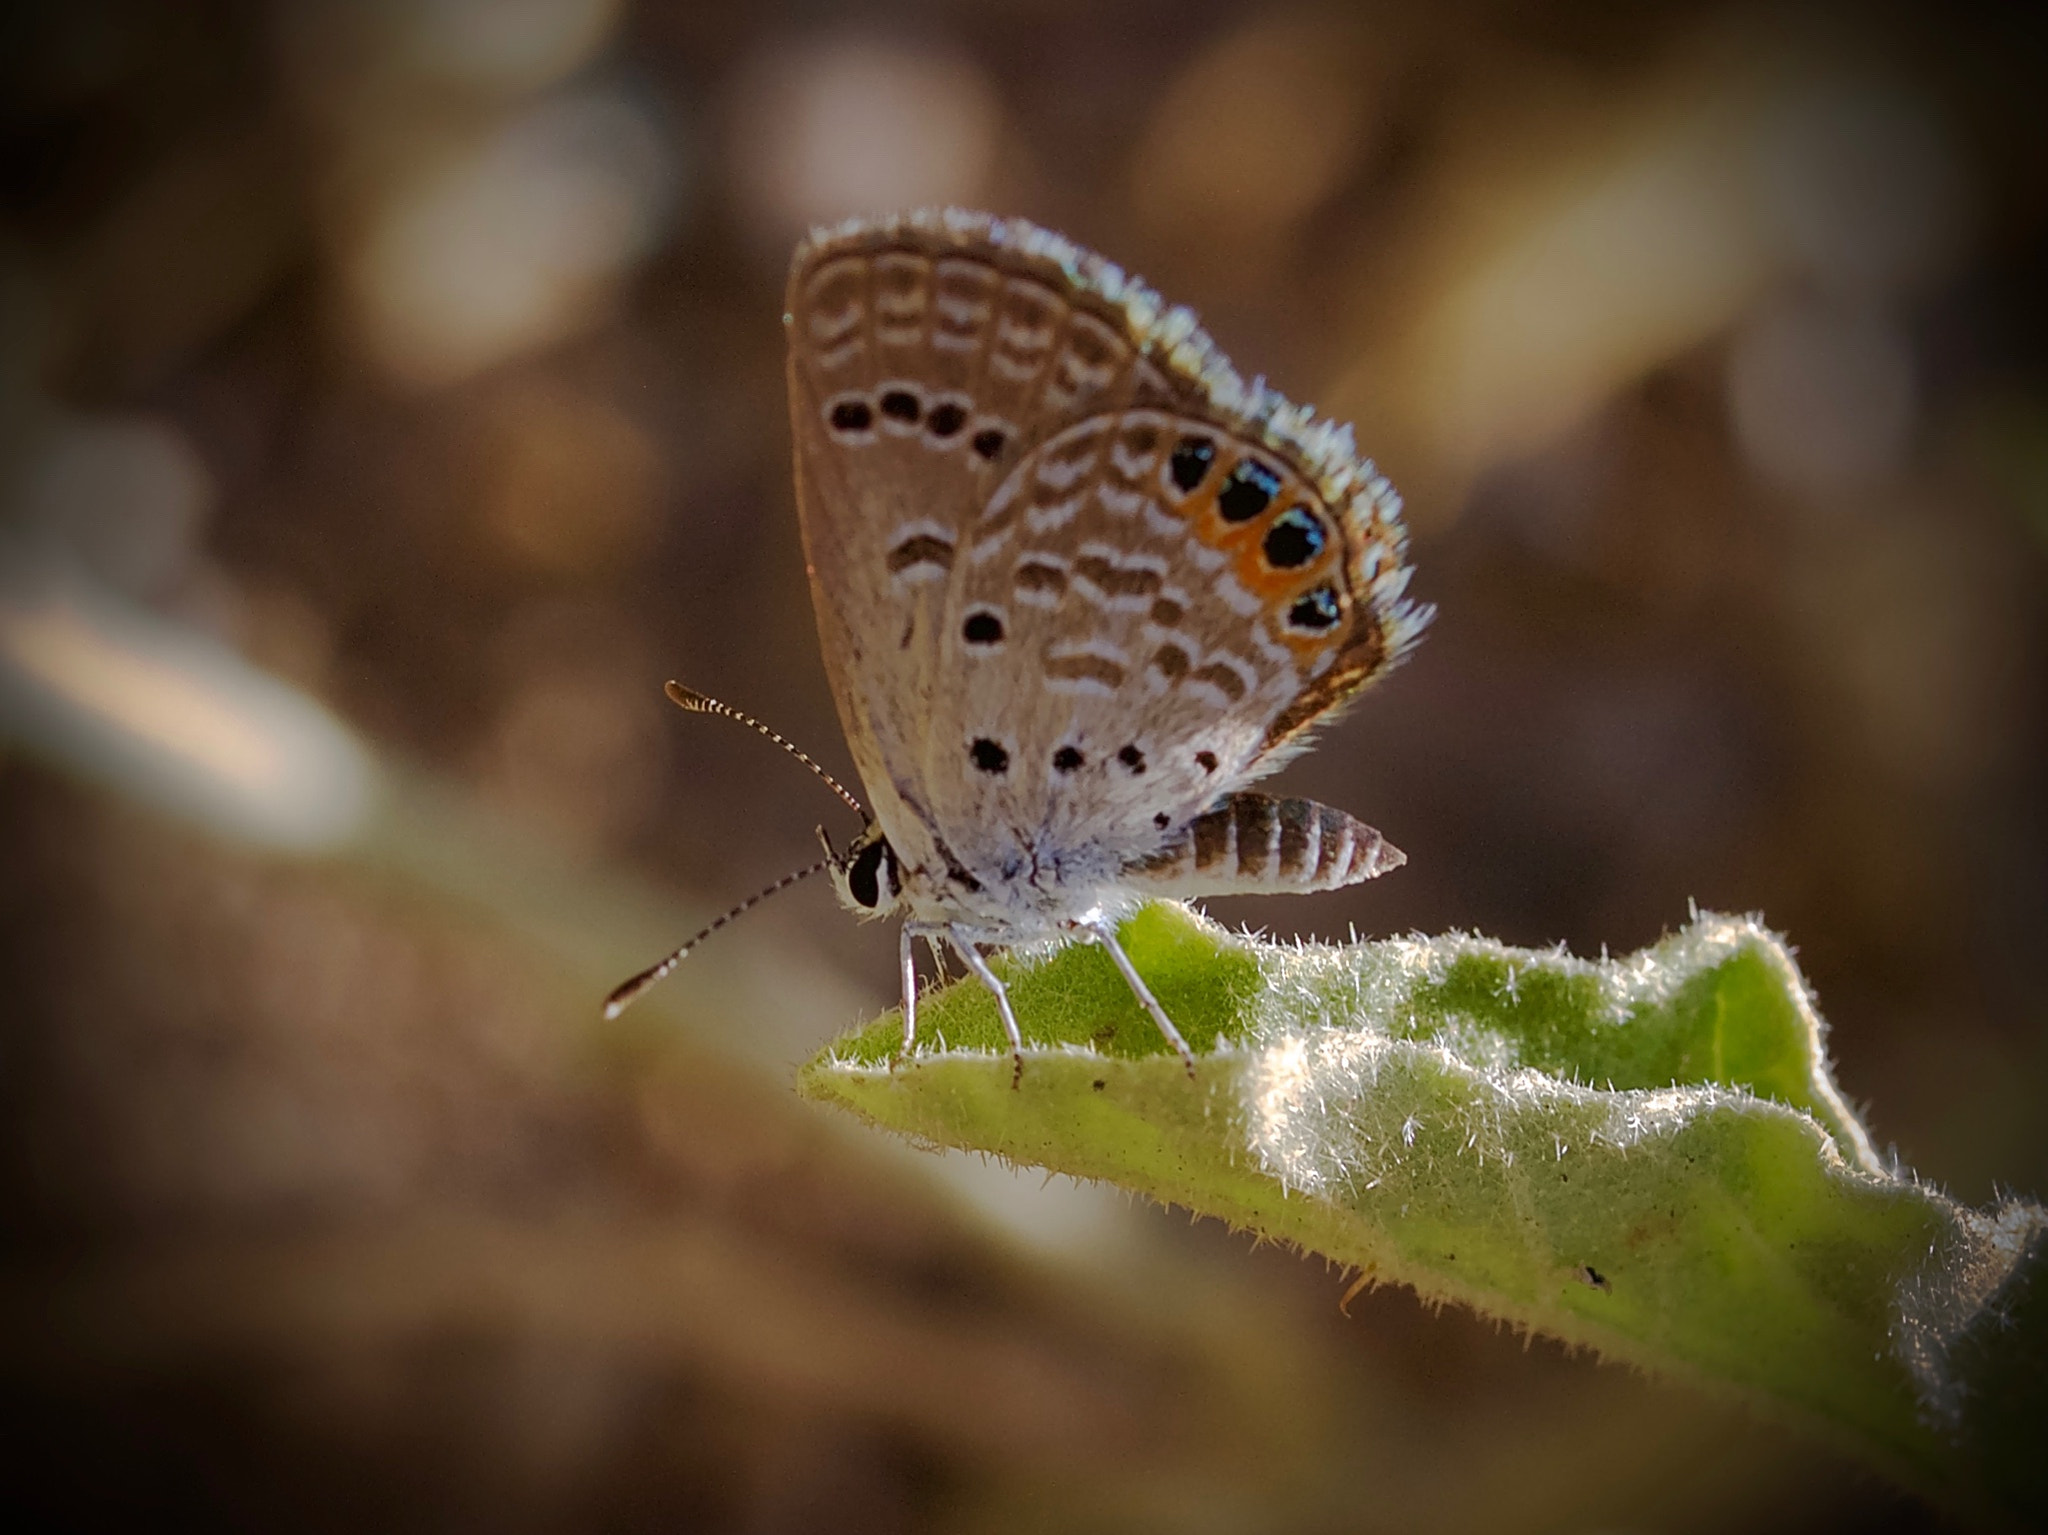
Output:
(623, 996)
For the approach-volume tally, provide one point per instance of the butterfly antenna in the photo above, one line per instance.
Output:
(623, 995)
(703, 703)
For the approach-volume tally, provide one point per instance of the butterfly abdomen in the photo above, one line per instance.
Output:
(1253, 843)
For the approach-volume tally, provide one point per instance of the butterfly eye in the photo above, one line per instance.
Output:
(863, 879)
(1295, 538)
(1248, 492)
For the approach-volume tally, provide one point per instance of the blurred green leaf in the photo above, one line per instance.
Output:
(1646, 1156)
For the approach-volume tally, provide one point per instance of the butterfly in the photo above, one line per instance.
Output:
(1078, 585)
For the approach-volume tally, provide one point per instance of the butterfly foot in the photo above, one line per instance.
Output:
(963, 945)
(903, 950)
(1105, 935)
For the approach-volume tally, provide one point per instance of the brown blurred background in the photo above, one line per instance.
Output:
(392, 400)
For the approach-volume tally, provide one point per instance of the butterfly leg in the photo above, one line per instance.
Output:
(1105, 934)
(905, 939)
(963, 945)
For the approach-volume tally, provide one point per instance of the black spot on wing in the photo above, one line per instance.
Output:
(1295, 538)
(1248, 491)
(1190, 463)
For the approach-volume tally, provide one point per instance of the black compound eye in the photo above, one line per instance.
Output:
(863, 880)
(1295, 538)
(1190, 463)
(1318, 610)
(852, 416)
(1248, 492)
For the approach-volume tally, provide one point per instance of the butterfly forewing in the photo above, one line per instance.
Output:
(921, 372)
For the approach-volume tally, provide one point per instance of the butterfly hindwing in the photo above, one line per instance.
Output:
(1140, 603)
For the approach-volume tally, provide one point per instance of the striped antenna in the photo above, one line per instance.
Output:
(703, 703)
(622, 997)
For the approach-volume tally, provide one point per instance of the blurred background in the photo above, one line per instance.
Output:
(393, 400)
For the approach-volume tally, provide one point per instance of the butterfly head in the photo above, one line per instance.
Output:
(868, 878)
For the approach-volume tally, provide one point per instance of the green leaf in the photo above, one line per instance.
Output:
(1646, 1156)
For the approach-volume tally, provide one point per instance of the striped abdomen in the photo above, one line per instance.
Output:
(1254, 842)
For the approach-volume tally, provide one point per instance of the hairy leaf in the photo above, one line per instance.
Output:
(1647, 1156)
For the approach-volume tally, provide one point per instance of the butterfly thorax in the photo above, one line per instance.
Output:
(1030, 891)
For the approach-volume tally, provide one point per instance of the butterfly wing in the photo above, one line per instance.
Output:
(1151, 605)
(1072, 575)
(927, 357)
